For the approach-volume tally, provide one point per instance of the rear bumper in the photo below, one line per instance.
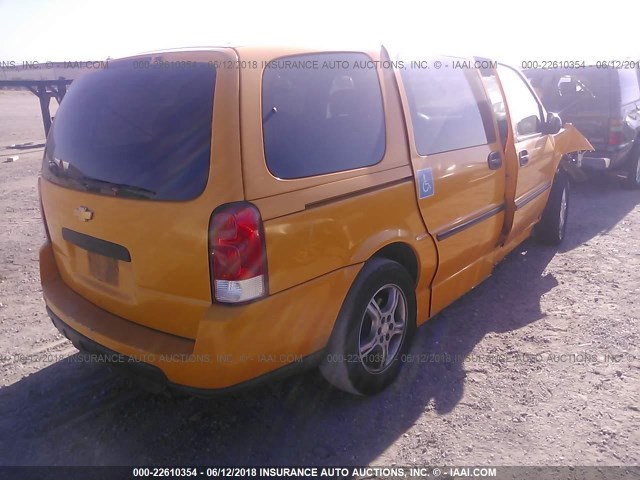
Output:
(234, 344)
(596, 163)
(612, 158)
(156, 376)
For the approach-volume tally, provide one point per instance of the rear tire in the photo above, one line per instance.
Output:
(633, 170)
(374, 328)
(552, 227)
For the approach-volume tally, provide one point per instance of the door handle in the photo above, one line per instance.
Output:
(494, 160)
(523, 158)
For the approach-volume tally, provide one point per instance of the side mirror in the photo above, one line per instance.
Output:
(554, 124)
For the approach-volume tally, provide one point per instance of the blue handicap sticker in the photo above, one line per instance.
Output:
(425, 183)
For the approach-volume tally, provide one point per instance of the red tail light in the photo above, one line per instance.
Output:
(238, 259)
(615, 131)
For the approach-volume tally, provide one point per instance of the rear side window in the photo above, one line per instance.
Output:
(445, 112)
(523, 106)
(629, 91)
(322, 113)
(137, 132)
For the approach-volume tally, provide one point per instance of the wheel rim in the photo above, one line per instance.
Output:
(382, 328)
(563, 211)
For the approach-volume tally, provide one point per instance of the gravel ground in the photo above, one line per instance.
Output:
(539, 365)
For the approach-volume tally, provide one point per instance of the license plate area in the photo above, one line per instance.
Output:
(103, 268)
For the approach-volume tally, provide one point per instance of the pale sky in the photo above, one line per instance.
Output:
(75, 30)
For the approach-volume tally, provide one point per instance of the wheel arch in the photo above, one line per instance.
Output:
(403, 254)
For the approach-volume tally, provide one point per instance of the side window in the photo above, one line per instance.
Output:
(445, 112)
(497, 103)
(523, 106)
(629, 91)
(321, 114)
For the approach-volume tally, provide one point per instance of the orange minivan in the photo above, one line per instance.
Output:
(218, 216)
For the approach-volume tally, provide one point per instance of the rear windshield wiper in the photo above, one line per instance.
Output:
(117, 189)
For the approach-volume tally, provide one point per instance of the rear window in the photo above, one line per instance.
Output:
(138, 132)
(573, 91)
(322, 113)
(445, 112)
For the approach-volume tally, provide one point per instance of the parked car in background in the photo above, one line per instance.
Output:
(218, 216)
(604, 104)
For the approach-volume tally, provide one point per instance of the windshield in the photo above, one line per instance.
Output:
(142, 132)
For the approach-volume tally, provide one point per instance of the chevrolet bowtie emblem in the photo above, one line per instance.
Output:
(83, 213)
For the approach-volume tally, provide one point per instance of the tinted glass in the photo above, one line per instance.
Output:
(322, 113)
(444, 110)
(135, 132)
(523, 106)
(629, 91)
(573, 91)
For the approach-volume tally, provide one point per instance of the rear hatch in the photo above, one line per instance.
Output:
(581, 96)
(127, 188)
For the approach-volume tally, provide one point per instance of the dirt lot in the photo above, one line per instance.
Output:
(551, 375)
